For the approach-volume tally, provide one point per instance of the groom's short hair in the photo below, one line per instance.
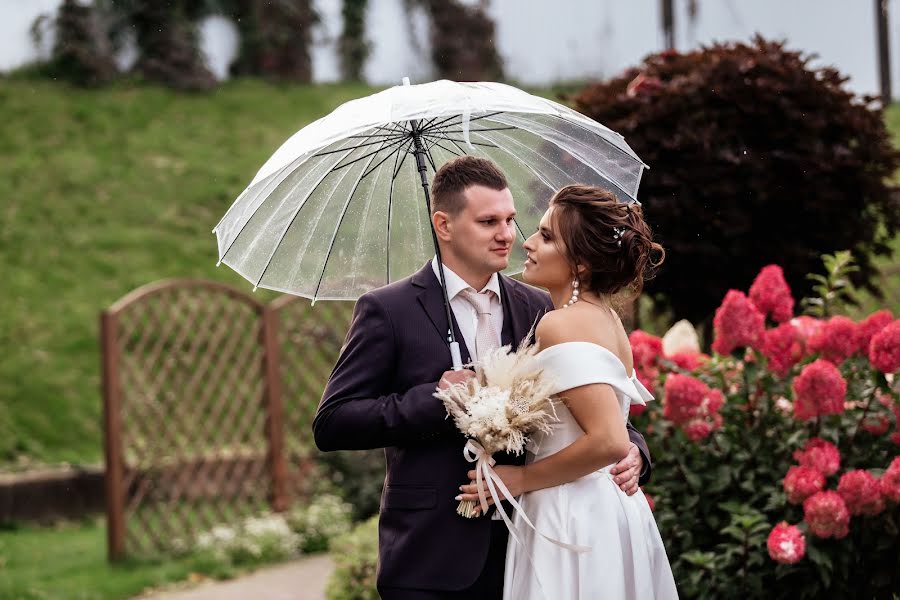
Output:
(455, 176)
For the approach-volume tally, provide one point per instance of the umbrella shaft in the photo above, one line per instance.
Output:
(423, 169)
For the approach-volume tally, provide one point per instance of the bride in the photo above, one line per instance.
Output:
(588, 247)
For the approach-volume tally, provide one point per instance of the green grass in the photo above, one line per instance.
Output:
(68, 562)
(102, 191)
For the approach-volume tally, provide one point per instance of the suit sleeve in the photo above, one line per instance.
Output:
(635, 436)
(357, 411)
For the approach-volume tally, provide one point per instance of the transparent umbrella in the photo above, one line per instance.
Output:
(343, 206)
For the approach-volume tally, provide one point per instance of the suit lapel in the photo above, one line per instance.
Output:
(431, 299)
(516, 309)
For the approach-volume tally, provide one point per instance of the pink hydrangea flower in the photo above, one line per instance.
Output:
(819, 390)
(691, 404)
(687, 360)
(771, 294)
(826, 515)
(783, 348)
(873, 324)
(786, 544)
(737, 324)
(890, 482)
(861, 492)
(806, 327)
(802, 482)
(884, 349)
(820, 455)
(876, 424)
(646, 350)
(837, 340)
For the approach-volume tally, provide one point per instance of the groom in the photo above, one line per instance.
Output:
(396, 355)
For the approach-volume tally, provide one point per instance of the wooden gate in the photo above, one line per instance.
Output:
(194, 417)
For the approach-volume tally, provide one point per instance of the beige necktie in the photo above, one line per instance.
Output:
(486, 338)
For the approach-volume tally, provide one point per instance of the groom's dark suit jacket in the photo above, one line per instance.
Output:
(380, 396)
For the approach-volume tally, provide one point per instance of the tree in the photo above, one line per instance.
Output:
(755, 158)
(462, 41)
(275, 38)
(82, 53)
(167, 40)
(352, 45)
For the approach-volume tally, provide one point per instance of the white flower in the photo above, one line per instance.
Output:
(784, 406)
(488, 407)
(222, 534)
(259, 526)
(681, 337)
(789, 549)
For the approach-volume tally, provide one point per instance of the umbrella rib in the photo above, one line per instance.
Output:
(519, 227)
(390, 208)
(372, 143)
(577, 155)
(444, 148)
(443, 131)
(451, 117)
(530, 168)
(390, 133)
(400, 166)
(395, 128)
(473, 143)
(461, 149)
(426, 125)
(293, 218)
(620, 150)
(244, 226)
(430, 158)
(365, 156)
(337, 228)
(369, 172)
(270, 179)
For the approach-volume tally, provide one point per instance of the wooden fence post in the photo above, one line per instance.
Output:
(274, 409)
(112, 437)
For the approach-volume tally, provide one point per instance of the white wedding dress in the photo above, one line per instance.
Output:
(627, 559)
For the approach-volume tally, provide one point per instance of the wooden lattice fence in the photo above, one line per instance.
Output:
(310, 340)
(208, 399)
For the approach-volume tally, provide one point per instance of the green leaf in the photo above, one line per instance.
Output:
(818, 557)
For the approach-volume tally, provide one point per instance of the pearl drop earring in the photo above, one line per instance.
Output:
(574, 297)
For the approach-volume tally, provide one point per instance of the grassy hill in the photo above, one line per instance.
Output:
(101, 192)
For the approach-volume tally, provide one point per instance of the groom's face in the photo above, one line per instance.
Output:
(482, 233)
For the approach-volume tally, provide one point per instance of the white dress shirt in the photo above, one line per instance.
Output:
(465, 314)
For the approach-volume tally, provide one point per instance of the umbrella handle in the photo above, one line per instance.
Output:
(457, 358)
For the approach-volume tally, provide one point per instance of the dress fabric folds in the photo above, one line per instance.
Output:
(627, 559)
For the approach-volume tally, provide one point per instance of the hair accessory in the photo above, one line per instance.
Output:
(617, 235)
(574, 297)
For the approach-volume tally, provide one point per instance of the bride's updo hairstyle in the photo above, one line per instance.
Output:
(608, 237)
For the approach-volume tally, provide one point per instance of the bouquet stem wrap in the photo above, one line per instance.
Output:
(474, 452)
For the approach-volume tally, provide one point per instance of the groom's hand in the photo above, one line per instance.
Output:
(626, 472)
(453, 377)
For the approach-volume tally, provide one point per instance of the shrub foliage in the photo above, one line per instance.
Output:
(755, 157)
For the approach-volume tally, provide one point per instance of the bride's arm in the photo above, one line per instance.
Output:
(605, 441)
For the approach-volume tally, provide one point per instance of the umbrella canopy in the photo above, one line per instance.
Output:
(338, 210)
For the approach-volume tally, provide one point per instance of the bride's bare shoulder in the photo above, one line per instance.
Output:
(561, 326)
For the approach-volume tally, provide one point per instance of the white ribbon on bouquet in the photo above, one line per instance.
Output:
(475, 453)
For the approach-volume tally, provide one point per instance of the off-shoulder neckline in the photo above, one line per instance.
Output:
(596, 345)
